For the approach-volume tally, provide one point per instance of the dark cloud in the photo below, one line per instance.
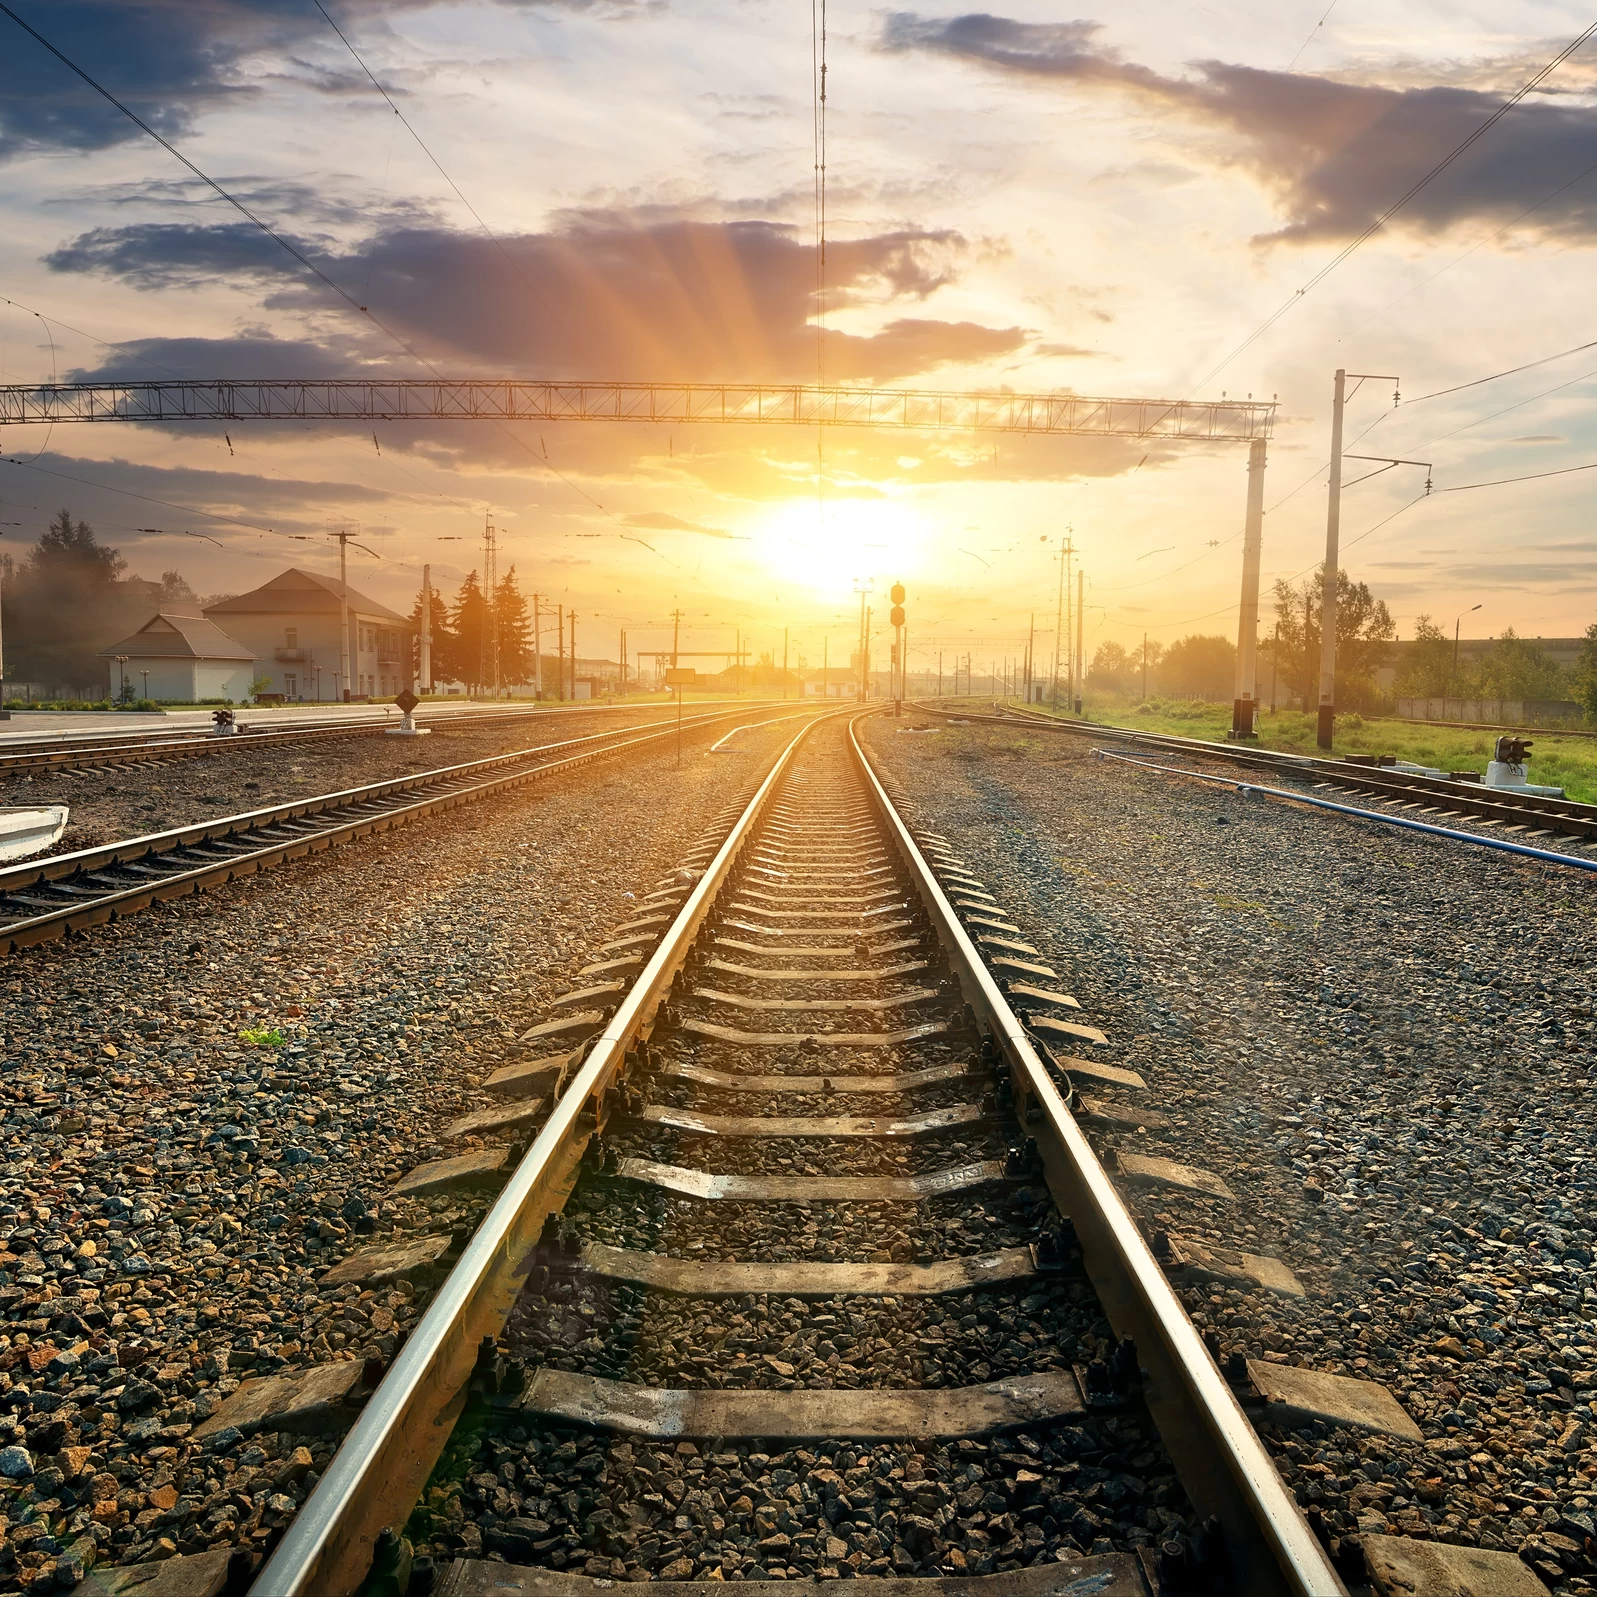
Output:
(170, 60)
(599, 297)
(660, 521)
(1334, 155)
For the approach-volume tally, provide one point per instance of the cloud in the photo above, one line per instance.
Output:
(597, 296)
(171, 60)
(1332, 154)
(659, 521)
(1539, 438)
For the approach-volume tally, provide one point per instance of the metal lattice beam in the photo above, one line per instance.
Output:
(471, 399)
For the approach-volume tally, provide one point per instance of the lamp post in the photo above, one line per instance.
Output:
(146, 675)
(1457, 620)
(121, 677)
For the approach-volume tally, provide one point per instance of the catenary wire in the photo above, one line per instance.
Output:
(1397, 205)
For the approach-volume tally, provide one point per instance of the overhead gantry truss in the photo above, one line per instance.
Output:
(505, 399)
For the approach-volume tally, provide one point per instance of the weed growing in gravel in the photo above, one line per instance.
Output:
(262, 1037)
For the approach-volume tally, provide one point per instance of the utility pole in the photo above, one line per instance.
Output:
(1275, 664)
(1059, 618)
(896, 617)
(1246, 702)
(1031, 643)
(1081, 615)
(623, 684)
(560, 651)
(939, 673)
(537, 648)
(1333, 532)
(490, 593)
(862, 586)
(425, 650)
(826, 649)
(345, 538)
(573, 624)
(784, 662)
(1145, 665)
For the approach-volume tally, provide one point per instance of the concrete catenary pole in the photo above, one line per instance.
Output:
(1247, 695)
(537, 649)
(1081, 618)
(343, 612)
(425, 661)
(1333, 535)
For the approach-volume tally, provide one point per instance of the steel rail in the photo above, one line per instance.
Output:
(160, 745)
(117, 902)
(1472, 798)
(1502, 845)
(380, 1470)
(1221, 1461)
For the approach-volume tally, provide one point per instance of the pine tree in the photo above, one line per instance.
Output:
(468, 623)
(515, 631)
(443, 640)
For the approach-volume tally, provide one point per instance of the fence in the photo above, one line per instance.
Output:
(1491, 712)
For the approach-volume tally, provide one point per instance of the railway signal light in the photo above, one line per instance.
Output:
(896, 615)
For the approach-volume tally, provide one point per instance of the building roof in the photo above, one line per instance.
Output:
(296, 592)
(171, 635)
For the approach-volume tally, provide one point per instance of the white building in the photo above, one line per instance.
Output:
(182, 658)
(292, 626)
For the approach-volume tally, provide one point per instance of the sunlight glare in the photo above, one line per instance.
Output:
(824, 549)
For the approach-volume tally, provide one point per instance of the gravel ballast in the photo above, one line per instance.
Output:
(1383, 1044)
(112, 802)
(206, 1106)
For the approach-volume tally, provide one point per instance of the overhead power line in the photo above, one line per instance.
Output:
(1397, 205)
(210, 182)
(1529, 365)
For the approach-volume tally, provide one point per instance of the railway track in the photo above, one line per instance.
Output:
(780, 1287)
(46, 899)
(1523, 816)
(157, 748)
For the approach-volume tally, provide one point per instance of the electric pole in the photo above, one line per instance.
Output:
(1333, 533)
(1076, 676)
(425, 662)
(784, 662)
(345, 538)
(1247, 695)
(573, 624)
(560, 651)
(537, 649)
(1061, 644)
(490, 593)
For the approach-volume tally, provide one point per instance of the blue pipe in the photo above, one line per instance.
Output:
(1501, 844)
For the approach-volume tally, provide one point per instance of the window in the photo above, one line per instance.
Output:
(292, 636)
(291, 682)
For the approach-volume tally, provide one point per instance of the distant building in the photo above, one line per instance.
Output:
(180, 657)
(292, 626)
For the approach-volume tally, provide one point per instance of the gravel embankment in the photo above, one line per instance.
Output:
(171, 1189)
(1383, 1044)
(113, 802)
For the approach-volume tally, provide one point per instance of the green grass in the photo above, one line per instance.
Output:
(1567, 762)
(262, 1037)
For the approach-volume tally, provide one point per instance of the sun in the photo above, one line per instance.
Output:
(826, 547)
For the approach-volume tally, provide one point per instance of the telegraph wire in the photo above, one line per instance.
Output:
(278, 238)
(211, 183)
(1529, 365)
(1397, 205)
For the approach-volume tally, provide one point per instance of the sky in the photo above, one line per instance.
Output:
(1108, 202)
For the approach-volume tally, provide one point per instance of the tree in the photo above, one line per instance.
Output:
(443, 638)
(1585, 673)
(175, 590)
(1427, 668)
(69, 600)
(1112, 669)
(463, 660)
(1364, 634)
(1199, 667)
(1514, 668)
(515, 631)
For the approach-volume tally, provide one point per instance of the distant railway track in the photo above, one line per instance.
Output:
(157, 746)
(44, 900)
(1523, 816)
(818, 934)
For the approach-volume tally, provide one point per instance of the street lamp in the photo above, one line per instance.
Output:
(146, 675)
(1459, 618)
(121, 677)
